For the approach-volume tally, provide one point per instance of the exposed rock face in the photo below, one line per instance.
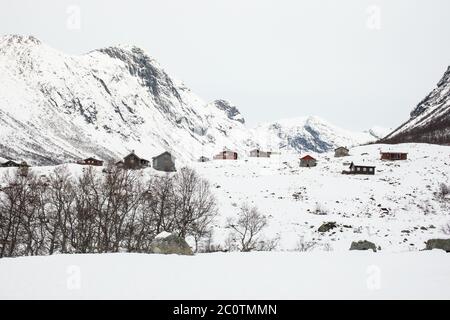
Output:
(327, 226)
(167, 243)
(443, 244)
(363, 245)
(231, 111)
(430, 120)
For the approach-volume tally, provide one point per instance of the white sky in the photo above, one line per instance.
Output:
(272, 58)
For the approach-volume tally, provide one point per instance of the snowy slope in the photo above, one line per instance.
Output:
(308, 134)
(430, 119)
(397, 208)
(321, 275)
(58, 108)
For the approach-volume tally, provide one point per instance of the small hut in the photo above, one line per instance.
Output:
(164, 162)
(226, 155)
(308, 161)
(360, 169)
(257, 153)
(91, 161)
(203, 159)
(341, 152)
(394, 156)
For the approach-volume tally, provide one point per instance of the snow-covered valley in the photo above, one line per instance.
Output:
(398, 208)
(260, 275)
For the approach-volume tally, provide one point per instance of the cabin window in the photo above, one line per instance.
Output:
(358, 169)
(370, 169)
(364, 169)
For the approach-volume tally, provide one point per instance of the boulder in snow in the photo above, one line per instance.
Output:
(363, 245)
(443, 244)
(168, 243)
(327, 226)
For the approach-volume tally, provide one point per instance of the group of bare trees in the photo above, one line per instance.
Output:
(110, 211)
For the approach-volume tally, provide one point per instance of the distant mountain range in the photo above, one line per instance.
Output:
(56, 108)
(429, 121)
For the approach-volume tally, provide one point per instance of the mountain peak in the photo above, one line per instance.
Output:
(10, 39)
(429, 121)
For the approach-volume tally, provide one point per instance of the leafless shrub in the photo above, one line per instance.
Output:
(446, 229)
(247, 228)
(444, 190)
(305, 246)
(320, 210)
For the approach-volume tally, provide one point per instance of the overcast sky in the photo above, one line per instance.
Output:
(355, 63)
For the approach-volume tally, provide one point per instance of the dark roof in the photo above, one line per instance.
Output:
(361, 166)
(307, 157)
(91, 158)
(392, 152)
(165, 152)
(341, 148)
(10, 161)
(134, 154)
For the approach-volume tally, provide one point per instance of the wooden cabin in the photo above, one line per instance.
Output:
(226, 155)
(132, 161)
(394, 156)
(164, 162)
(257, 153)
(91, 161)
(10, 164)
(360, 169)
(308, 161)
(341, 152)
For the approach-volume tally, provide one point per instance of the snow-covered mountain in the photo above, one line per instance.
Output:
(308, 134)
(430, 120)
(57, 108)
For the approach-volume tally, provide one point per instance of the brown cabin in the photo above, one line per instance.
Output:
(359, 169)
(226, 155)
(308, 161)
(341, 152)
(394, 156)
(132, 161)
(91, 162)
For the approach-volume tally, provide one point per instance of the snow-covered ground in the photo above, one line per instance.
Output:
(313, 275)
(396, 208)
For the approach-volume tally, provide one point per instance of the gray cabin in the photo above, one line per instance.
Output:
(203, 159)
(341, 152)
(164, 162)
(132, 161)
(257, 153)
(308, 161)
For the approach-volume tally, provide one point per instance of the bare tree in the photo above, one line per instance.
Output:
(248, 227)
(446, 229)
(100, 211)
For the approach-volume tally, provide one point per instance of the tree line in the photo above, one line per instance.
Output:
(113, 210)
